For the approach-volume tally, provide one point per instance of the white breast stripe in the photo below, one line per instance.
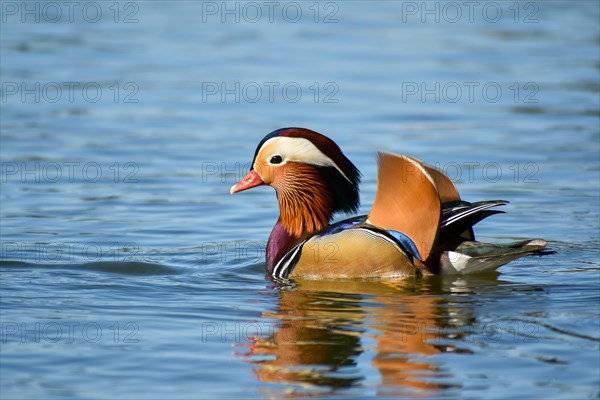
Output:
(283, 264)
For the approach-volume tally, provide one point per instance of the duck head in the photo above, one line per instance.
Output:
(311, 176)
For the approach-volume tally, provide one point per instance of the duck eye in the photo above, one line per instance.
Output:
(276, 159)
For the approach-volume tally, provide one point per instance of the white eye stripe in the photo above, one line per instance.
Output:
(294, 149)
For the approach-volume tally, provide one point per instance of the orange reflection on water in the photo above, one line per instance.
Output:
(325, 326)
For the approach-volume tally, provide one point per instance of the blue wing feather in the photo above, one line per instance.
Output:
(403, 240)
(342, 225)
(406, 242)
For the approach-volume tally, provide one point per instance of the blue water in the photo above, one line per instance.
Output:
(128, 271)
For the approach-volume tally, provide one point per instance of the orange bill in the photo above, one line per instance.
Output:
(248, 182)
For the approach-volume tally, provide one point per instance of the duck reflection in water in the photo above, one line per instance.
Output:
(324, 326)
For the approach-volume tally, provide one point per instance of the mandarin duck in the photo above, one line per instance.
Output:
(418, 224)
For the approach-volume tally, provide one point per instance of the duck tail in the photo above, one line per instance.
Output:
(475, 257)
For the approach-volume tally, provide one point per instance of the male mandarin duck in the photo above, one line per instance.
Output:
(418, 224)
